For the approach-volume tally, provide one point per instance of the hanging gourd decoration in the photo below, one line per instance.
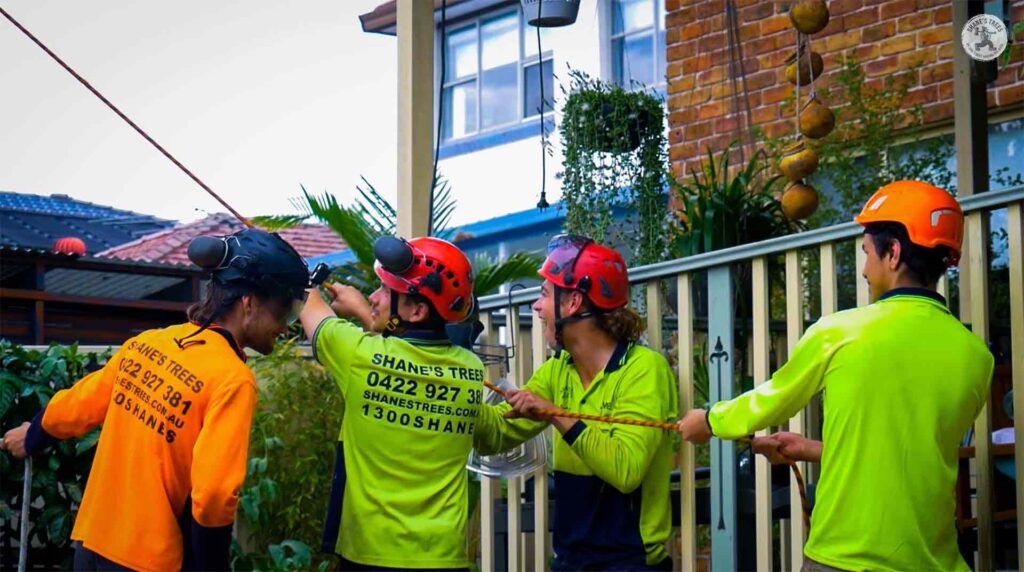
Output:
(798, 161)
(799, 201)
(809, 16)
(810, 66)
(816, 119)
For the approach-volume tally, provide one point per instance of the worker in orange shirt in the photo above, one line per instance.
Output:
(176, 406)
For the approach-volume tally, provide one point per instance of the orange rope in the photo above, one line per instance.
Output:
(557, 412)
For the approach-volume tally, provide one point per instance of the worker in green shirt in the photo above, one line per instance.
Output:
(902, 381)
(400, 493)
(612, 507)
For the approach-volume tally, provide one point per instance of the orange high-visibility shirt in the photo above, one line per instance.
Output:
(175, 423)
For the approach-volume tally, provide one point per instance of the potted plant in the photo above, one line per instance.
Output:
(614, 157)
(550, 13)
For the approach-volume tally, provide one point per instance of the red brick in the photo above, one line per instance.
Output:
(726, 124)
(714, 41)
(934, 35)
(878, 32)
(776, 94)
(944, 14)
(897, 8)
(712, 76)
(750, 30)
(946, 51)
(675, 136)
(1010, 94)
(920, 96)
(843, 41)
(937, 73)
(861, 18)
(923, 4)
(760, 45)
(898, 44)
(918, 57)
(691, 31)
(680, 84)
(751, 65)
(884, 66)
(697, 130)
(778, 129)
(991, 99)
(867, 52)
(938, 112)
(772, 59)
(680, 114)
(761, 80)
(775, 24)
(757, 11)
(946, 90)
(682, 151)
(915, 21)
(764, 114)
(835, 26)
(841, 7)
(712, 109)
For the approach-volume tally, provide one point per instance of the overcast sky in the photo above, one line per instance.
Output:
(255, 97)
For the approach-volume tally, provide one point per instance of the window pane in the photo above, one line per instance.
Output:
(461, 54)
(531, 97)
(630, 15)
(498, 95)
(633, 60)
(459, 110)
(500, 38)
(530, 40)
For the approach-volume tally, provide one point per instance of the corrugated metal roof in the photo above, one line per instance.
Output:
(36, 221)
(119, 285)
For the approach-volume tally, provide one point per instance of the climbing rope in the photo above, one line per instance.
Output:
(120, 114)
(666, 426)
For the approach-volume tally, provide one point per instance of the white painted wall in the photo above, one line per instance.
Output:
(507, 178)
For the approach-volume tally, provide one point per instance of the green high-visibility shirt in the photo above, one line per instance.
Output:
(902, 382)
(611, 481)
(400, 497)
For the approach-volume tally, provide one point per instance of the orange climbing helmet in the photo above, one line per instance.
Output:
(433, 268)
(931, 216)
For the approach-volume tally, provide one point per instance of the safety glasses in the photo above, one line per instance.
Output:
(563, 251)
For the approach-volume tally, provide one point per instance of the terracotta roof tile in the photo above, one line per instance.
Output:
(171, 245)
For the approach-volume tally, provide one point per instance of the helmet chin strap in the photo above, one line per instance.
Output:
(395, 323)
(560, 322)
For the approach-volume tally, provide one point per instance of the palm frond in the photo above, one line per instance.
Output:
(274, 223)
(348, 224)
(491, 274)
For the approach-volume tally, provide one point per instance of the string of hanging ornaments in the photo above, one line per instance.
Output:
(814, 120)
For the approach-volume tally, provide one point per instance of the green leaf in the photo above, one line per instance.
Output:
(88, 442)
(74, 492)
(250, 507)
(277, 553)
(275, 223)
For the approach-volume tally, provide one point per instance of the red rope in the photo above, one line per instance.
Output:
(113, 107)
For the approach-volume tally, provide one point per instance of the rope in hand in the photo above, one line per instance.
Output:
(120, 114)
(556, 412)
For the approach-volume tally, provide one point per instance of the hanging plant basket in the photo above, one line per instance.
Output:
(550, 13)
(614, 157)
(621, 130)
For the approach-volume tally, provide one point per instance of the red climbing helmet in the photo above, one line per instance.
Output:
(578, 263)
(433, 268)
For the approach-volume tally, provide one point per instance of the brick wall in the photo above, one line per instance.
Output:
(885, 35)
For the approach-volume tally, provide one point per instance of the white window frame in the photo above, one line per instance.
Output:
(660, 56)
(524, 32)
